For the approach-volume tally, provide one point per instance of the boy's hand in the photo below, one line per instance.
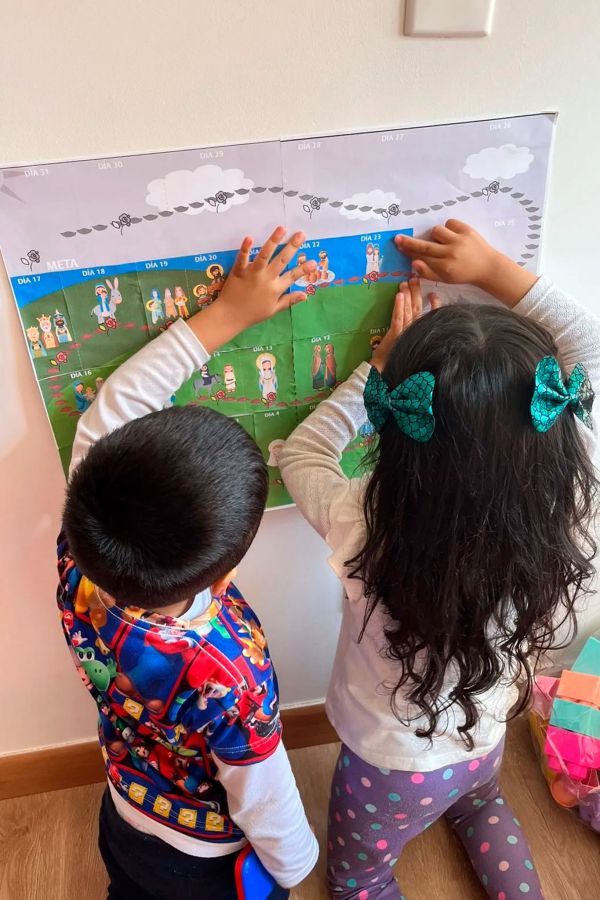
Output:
(253, 291)
(457, 254)
(407, 308)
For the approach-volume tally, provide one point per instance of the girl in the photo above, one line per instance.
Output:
(458, 554)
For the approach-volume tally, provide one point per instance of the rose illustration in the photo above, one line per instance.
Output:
(311, 289)
(271, 397)
(124, 221)
(61, 357)
(220, 395)
(32, 257)
(111, 323)
(315, 203)
(393, 209)
(221, 197)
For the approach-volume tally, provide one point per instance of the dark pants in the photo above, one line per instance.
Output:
(142, 867)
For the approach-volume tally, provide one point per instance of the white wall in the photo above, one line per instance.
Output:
(80, 79)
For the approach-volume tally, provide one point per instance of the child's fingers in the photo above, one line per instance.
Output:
(243, 257)
(406, 305)
(287, 300)
(397, 313)
(416, 247)
(423, 270)
(268, 248)
(288, 278)
(457, 226)
(435, 301)
(280, 261)
(416, 298)
(442, 234)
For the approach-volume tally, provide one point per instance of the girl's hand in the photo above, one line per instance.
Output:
(457, 254)
(407, 307)
(253, 291)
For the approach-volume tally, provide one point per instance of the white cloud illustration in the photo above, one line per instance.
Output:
(499, 162)
(376, 199)
(212, 186)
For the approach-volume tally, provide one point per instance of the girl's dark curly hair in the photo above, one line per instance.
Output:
(479, 542)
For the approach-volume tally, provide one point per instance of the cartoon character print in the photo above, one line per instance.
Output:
(106, 308)
(48, 337)
(181, 302)
(61, 330)
(251, 635)
(229, 378)
(154, 306)
(81, 401)
(206, 380)
(212, 690)
(156, 671)
(323, 266)
(115, 296)
(170, 308)
(258, 713)
(99, 673)
(255, 646)
(163, 701)
(203, 298)
(216, 275)
(87, 605)
(36, 347)
(318, 369)
(267, 378)
(377, 259)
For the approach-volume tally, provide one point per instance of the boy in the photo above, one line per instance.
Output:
(161, 506)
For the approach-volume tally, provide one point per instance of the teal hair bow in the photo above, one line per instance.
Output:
(551, 395)
(409, 403)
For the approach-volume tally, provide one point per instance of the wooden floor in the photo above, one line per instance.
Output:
(48, 841)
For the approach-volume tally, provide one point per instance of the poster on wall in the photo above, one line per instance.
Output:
(104, 254)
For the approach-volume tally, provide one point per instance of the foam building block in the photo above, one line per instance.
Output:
(576, 717)
(588, 660)
(573, 754)
(579, 688)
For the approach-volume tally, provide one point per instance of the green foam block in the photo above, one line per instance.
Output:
(576, 717)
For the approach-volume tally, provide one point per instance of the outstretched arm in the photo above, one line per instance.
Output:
(310, 461)
(254, 291)
(458, 254)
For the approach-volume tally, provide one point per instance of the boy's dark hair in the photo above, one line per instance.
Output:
(165, 506)
(477, 542)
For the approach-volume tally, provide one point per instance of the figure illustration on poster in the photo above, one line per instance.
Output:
(95, 291)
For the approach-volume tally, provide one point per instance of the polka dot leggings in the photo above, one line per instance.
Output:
(374, 812)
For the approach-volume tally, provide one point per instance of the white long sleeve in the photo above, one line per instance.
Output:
(264, 802)
(576, 332)
(142, 384)
(310, 460)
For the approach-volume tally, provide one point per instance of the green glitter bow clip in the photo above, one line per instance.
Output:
(409, 403)
(551, 395)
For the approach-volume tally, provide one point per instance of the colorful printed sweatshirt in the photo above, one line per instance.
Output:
(188, 710)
